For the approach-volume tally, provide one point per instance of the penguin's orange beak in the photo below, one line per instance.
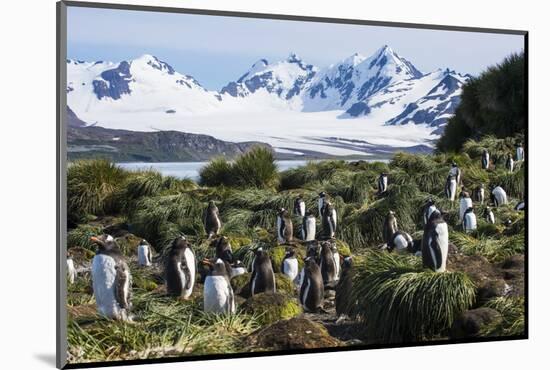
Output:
(207, 262)
(95, 239)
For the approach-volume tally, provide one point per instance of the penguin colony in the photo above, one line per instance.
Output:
(323, 267)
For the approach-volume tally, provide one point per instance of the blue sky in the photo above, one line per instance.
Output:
(216, 50)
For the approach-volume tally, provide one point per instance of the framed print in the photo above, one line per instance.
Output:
(236, 184)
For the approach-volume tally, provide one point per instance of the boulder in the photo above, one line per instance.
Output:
(296, 333)
(272, 307)
(470, 323)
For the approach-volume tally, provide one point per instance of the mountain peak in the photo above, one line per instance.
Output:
(354, 59)
(293, 58)
(154, 62)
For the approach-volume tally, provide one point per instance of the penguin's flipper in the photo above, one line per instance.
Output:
(122, 285)
(436, 250)
(150, 254)
(230, 299)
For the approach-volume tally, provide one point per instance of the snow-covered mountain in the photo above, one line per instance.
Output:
(293, 105)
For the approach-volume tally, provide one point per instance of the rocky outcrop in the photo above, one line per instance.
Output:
(470, 323)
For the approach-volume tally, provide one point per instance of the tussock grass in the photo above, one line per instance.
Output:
(494, 249)
(80, 236)
(512, 310)
(399, 302)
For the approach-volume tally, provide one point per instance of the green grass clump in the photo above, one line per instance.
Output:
(493, 248)
(272, 307)
(80, 236)
(512, 310)
(398, 301)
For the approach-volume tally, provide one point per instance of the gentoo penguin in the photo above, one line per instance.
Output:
(212, 221)
(435, 243)
(510, 163)
(328, 266)
(238, 268)
(498, 196)
(314, 250)
(520, 206)
(218, 293)
(329, 220)
(469, 222)
(390, 227)
(489, 215)
(455, 171)
(382, 183)
(321, 202)
(450, 188)
(429, 207)
(145, 256)
(111, 279)
(299, 206)
(308, 226)
(465, 203)
(284, 227)
(312, 290)
(263, 277)
(479, 194)
(71, 271)
(401, 242)
(223, 249)
(519, 152)
(337, 259)
(344, 287)
(485, 159)
(180, 268)
(289, 266)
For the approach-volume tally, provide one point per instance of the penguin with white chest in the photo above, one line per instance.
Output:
(180, 269)
(469, 223)
(145, 255)
(401, 242)
(429, 208)
(450, 187)
(263, 277)
(284, 227)
(321, 202)
(435, 243)
(510, 163)
(71, 271)
(489, 215)
(299, 206)
(465, 203)
(329, 266)
(479, 194)
(238, 268)
(455, 171)
(111, 280)
(308, 226)
(289, 266)
(520, 155)
(312, 290)
(329, 221)
(389, 228)
(499, 197)
(485, 159)
(218, 296)
(212, 221)
(382, 183)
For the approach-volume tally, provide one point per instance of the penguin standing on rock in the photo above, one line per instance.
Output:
(329, 220)
(479, 194)
(263, 277)
(450, 188)
(111, 279)
(401, 242)
(299, 206)
(71, 271)
(520, 155)
(180, 269)
(145, 255)
(328, 265)
(389, 228)
(289, 266)
(321, 202)
(455, 171)
(382, 183)
(469, 223)
(510, 163)
(435, 243)
(308, 226)
(343, 289)
(212, 221)
(498, 196)
(489, 215)
(284, 227)
(465, 203)
(218, 293)
(429, 207)
(485, 159)
(312, 290)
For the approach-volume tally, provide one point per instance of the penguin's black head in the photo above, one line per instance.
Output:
(508, 223)
(238, 263)
(391, 213)
(454, 164)
(179, 243)
(470, 209)
(309, 213)
(211, 204)
(309, 262)
(313, 250)
(430, 201)
(290, 253)
(104, 242)
(436, 214)
(322, 194)
(348, 262)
